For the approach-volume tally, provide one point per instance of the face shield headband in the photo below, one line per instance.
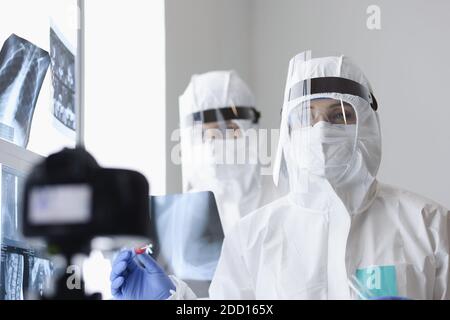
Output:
(302, 90)
(332, 85)
(225, 114)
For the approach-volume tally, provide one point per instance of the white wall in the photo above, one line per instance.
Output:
(407, 62)
(125, 86)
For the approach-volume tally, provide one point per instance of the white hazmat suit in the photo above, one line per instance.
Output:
(338, 222)
(228, 166)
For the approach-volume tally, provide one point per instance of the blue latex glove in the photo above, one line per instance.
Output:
(139, 277)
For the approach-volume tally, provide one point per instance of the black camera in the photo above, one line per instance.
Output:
(69, 200)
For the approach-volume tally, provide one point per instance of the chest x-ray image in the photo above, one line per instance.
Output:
(63, 82)
(23, 272)
(23, 67)
(40, 271)
(10, 192)
(12, 276)
(188, 234)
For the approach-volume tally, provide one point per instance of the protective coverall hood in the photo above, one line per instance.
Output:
(221, 98)
(357, 185)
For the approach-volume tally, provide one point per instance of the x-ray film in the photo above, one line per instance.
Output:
(23, 67)
(12, 276)
(40, 272)
(63, 83)
(22, 272)
(188, 234)
(11, 187)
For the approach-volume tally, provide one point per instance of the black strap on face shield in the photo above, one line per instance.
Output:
(332, 85)
(225, 114)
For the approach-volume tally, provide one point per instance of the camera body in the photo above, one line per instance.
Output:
(70, 200)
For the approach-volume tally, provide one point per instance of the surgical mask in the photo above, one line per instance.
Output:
(236, 184)
(228, 159)
(324, 149)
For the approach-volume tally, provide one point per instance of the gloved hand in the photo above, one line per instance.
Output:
(139, 277)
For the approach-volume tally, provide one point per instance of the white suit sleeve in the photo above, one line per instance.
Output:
(442, 284)
(232, 280)
(182, 290)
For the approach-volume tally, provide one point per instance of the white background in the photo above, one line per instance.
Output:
(125, 86)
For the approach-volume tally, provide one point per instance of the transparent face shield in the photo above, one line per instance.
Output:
(218, 143)
(221, 130)
(322, 135)
(323, 113)
(223, 123)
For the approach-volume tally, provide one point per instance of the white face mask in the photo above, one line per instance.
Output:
(324, 149)
(231, 159)
(229, 169)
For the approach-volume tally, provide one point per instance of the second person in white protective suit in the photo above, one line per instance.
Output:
(219, 145)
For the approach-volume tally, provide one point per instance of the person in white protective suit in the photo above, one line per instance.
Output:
(338, 225)
(338, 228)
(219, 145)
